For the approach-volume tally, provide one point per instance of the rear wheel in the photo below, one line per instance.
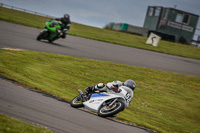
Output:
(77, 102)
(105, 110)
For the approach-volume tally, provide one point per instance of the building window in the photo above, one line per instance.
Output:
(166, 14)
(157, 11)
(186, 19)
(179, 18)
(182, 18)
(154, 11)
(150, 11)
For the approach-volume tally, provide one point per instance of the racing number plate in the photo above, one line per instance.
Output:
(128, 97)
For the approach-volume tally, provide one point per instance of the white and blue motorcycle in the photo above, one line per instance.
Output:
(105, 104)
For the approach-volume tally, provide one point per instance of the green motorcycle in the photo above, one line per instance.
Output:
(51, 31)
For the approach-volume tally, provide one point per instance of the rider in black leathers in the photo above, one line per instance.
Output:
(65, 26)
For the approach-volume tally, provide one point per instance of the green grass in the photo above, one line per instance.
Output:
(163, 101)
(10, 125)
(120, 38)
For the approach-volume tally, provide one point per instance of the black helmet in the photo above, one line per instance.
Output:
(66, 18)
(130, 83)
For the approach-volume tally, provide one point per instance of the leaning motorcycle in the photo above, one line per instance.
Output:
(103, 103)
(51, 31)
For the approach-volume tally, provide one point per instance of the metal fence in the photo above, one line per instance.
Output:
(25, 10)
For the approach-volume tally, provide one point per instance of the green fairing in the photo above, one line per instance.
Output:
(55, 24)
(50, 31)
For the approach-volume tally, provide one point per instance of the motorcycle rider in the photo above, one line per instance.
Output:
(110, 87)
(65, 25)
(129, 85)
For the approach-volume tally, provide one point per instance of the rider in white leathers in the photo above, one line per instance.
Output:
(110, 87)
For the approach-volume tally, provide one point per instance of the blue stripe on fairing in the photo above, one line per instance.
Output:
(99, 95)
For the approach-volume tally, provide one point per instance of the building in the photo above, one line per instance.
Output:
(171, 24)
(128, 28)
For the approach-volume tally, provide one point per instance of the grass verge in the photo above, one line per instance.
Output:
(120, 38)
(163, 101)
(10, 125)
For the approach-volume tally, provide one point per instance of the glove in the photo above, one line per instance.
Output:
(115, 89)
(89, 89)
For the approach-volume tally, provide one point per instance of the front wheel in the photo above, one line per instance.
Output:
(42, 35)
(105, 110)
(77, 102)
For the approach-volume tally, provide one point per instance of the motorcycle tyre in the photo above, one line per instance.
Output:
(121, 108)
(76, 105)
(41, 35)
(50, 41)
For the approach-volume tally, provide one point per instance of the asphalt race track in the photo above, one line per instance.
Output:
(23, 37)
(57, 115)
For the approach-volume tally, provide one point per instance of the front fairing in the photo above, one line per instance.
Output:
(127, 94)
(97, 100)
(53, 26)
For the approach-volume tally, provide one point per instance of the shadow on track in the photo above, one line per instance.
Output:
(56, 44)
